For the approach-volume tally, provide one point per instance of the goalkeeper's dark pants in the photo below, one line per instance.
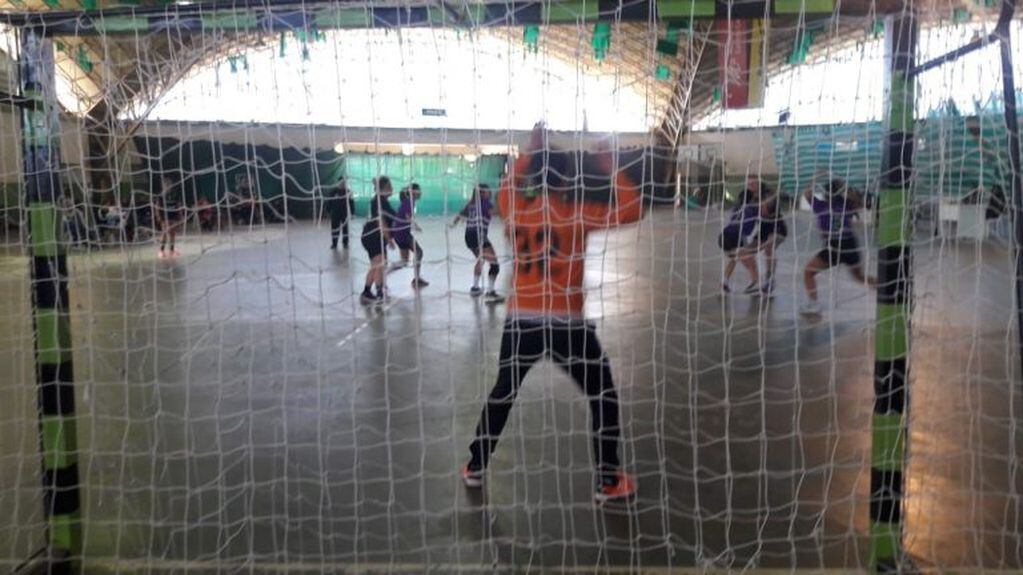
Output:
(573, 346)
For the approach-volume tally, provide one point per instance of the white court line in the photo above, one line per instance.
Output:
(365, 324)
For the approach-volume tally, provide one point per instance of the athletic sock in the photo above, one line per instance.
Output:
(476, 280)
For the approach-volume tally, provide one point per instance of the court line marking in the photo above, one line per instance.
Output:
(348, 338)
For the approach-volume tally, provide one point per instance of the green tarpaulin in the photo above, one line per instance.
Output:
(447, 181)
(296, 179)
(953, 155)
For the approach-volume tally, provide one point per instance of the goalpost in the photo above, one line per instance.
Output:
(230, 404)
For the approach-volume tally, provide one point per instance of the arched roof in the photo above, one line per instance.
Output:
(111, 73)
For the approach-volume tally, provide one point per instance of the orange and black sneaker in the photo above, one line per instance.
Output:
(472, 477)
(622, 487)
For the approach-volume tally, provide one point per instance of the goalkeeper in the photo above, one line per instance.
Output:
(548, 216)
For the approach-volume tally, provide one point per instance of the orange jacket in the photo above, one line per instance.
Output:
(548, 236)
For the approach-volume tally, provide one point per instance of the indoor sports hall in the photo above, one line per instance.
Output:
(467, 286)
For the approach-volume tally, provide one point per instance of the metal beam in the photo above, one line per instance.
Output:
(16, 101)
(252, 15)
(955, 54)
(1002, 30)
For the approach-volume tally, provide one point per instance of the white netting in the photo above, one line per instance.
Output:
(240, 407)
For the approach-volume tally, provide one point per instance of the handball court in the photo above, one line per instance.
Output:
(240, 409)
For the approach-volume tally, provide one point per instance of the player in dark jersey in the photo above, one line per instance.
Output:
(477, 215)
(735, 235)
(401, 231)
(340, 205)
(771, 232)
(834, 205)
(548, 217)
(170, 213)
(376, 236)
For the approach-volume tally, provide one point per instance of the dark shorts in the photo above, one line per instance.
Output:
(777, 229)
(731, 240)
(172, 215)
(372, 240)
(844, 250)
(476, 243)
(404, 241)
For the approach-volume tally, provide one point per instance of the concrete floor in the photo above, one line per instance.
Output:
(239, 408)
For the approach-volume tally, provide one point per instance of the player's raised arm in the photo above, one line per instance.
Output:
(519, 169)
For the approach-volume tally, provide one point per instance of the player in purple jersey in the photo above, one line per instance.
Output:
(834, 205)
(741, 223)
(477, 214)
(771, 233)
(404, 222)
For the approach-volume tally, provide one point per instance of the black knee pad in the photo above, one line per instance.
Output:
(494, 270)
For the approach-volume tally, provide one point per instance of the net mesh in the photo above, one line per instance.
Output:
(238, 406)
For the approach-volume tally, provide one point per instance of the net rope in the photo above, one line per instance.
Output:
(239, 407)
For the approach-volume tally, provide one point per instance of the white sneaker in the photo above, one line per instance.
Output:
(810, 308)
(472, 477)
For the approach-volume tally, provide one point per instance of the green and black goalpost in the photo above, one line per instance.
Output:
(54, 372)
(894, 299)
(895, 290)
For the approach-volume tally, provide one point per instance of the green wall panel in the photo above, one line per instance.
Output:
(209, 169)
(446, 181)
(949, 159)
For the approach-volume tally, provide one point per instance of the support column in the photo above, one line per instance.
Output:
(101, 153)
(894, 300)
(54, 375)
(1015, 185)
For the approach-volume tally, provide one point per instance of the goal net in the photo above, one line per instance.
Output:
(662, 300)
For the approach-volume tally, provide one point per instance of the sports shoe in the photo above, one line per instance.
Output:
(472, 477)
(624, 487)
(810, 308)
(767, 288)
(725, 287)
(367, 298)
(494, 297)
(419, 283)
(475, 291)
(161, 254)
(751, 289)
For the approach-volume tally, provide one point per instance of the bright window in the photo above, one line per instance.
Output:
(847, 85)
(480, 80)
